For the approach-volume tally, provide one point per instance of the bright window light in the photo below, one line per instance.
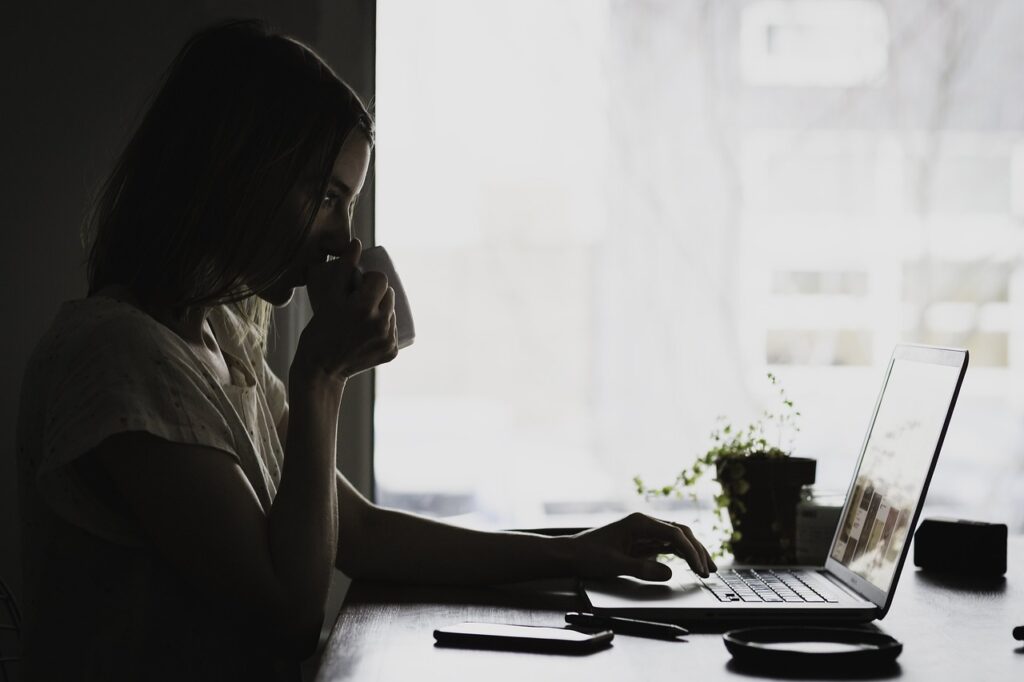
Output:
(610, 232)
(837, 43)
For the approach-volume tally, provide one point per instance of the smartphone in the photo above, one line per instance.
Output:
(522, 638)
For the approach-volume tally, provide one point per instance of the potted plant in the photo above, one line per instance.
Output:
(761, 485)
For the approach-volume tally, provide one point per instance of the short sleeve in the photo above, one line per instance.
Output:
(124, 376)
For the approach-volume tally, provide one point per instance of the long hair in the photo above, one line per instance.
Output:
(199, 209)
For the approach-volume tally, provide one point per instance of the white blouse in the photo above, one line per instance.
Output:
(99, 602)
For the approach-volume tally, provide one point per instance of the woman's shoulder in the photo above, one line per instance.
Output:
(102, 323)
(87, 335)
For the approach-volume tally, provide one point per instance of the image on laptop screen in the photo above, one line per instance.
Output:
(892, 473)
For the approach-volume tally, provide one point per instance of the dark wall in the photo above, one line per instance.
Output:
(77, 77)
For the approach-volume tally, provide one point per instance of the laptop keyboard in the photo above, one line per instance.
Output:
(759, 585)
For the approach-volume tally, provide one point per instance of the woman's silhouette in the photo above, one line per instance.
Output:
(182, 515)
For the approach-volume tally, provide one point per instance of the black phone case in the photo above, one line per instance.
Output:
(596, 641)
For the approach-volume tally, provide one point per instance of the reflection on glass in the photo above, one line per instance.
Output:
(892, 473)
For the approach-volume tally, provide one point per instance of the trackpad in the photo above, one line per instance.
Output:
(624, 592)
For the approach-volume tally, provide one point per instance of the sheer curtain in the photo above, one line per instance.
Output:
(614, 218)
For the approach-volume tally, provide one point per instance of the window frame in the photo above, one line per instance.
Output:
(347, 40)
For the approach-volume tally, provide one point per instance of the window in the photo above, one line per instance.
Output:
(839, 43)
(610, 230)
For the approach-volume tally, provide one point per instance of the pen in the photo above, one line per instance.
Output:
(627, 626)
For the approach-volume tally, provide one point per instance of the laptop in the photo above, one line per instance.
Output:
(871, 542)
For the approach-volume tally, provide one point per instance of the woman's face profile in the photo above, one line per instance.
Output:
(332, 228)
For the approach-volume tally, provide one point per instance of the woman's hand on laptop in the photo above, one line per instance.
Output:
(630, 545)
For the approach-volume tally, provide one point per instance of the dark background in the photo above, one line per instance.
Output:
(77, 77)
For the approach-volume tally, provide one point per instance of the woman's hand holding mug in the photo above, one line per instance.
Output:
(354, 326)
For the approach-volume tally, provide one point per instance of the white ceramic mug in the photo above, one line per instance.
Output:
(376, 259)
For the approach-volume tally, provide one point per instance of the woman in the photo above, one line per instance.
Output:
(182, 516)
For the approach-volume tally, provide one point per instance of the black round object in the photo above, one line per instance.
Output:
(811, 648)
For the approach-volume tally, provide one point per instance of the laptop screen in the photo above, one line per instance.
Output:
(894, 468)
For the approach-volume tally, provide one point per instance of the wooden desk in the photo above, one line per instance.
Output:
(951, 630)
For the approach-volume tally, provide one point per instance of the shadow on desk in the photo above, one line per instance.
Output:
(548, 595)
(562, 594)
(993, 586)
(887, 673)
(719, 627)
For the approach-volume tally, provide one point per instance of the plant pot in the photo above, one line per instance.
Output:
(763, 495)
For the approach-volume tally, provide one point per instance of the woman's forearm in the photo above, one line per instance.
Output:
(303, 519)
(407, 548)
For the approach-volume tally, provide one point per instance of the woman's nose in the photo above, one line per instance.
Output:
(350, 253)
(335, 241)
